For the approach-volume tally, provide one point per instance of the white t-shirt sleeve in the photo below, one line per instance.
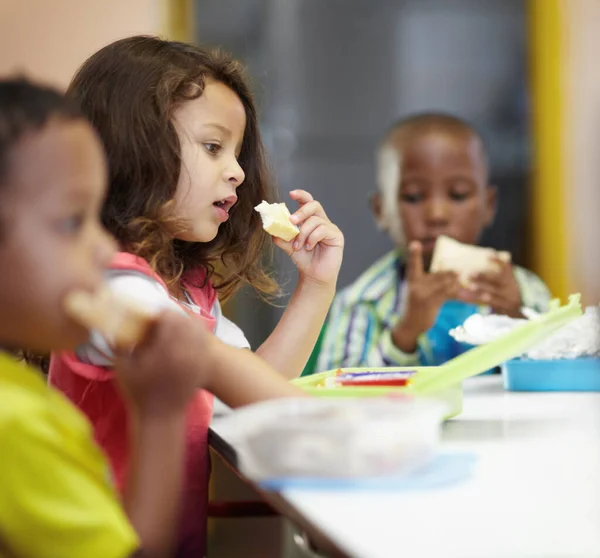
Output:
(227, 331)
(148, 292)
(133, 286)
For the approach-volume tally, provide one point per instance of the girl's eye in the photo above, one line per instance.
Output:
(72, 224)
(212, 148)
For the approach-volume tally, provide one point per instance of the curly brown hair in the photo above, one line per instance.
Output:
(129, 91)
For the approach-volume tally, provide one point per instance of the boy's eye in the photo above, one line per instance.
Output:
(212, 148)
(459, 196)
(460, 193)
(411, 197)
(71, 224)
(460, 190)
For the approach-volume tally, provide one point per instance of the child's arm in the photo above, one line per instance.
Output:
(153, 487)
(356, 337)
(288, 348)
(194, 357)
(317, 253)
(157, 404)
(236, 376)
(425, 295)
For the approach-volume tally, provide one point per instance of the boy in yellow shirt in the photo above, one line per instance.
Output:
(56, 495)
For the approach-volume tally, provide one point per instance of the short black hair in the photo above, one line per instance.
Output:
(27, 107)
(432, 119)
(424, 121)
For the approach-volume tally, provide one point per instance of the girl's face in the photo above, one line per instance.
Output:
(211, 132)
(51, 239)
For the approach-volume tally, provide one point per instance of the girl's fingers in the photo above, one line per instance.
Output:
(287, 247)
(308, 210)
(306, 229)
(301, 196)
(326, 233)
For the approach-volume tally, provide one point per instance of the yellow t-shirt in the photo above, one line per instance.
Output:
(56, 497)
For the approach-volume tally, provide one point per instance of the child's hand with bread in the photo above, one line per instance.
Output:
(425, 295)
(158, 364)
(161, 372)
(486, 274)
(314, 244)
(497, 289)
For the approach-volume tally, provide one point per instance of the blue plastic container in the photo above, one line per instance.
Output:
(581, 374)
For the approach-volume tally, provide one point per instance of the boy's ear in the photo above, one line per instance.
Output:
(376, 207)
(491, 204)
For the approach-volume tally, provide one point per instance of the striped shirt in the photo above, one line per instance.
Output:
(362, 316)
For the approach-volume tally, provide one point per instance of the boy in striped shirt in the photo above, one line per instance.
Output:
(432, 181)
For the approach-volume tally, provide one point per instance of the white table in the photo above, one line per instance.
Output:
(535, 491)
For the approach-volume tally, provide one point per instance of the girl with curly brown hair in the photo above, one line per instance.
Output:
(186, 169)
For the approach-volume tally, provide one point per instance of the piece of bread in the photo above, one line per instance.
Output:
(121, 321)
(276, 220)
(464, 259)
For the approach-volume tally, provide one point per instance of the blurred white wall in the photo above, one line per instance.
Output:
(49, 39)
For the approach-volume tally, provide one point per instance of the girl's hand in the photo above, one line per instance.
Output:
(317, 251)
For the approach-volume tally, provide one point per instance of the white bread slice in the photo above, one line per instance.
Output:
(464, 259)
(276, 220)
(121, 321)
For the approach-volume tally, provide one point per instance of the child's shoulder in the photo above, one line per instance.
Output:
(27, 402)
(534, 292)
(196, 281)
(21, 389)
(125, 261)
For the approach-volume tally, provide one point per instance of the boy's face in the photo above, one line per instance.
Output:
(51, 239)
(443, 188)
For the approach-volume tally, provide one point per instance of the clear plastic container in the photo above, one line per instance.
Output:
(333, 438)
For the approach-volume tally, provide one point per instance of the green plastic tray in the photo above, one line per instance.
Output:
(445, 382)
(314, 385)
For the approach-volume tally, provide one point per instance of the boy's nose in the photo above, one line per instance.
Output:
(437, 210)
